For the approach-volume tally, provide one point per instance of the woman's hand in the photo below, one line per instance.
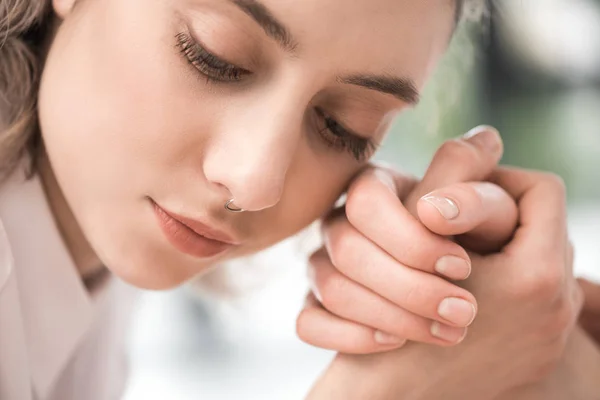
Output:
(528, 301)
(575, 378)
(577, 375)
(381, 278)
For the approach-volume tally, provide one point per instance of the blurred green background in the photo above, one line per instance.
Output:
(531, 69)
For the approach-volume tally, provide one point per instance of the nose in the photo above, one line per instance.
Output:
(251, 153)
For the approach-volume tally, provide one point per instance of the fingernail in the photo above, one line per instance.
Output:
(387, 339)
(453, 267)
(444, 205)
(448, 333)
(485, 137)
(457, 311)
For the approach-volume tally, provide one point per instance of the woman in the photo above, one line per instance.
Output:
(166, 137)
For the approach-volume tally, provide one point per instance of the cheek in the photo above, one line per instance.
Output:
(114, 97)
(115, 118)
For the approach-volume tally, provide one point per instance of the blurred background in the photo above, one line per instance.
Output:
(532, 70)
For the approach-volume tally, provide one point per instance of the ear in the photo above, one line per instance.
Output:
(63, 8)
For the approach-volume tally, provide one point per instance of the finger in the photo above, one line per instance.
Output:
(470, 158)
(483, 213)
(591, 324)
(375, 214)
(541, 198)
(374, 210)
(591, 294)
(320, 328)
(352, 301)
(420, 293)
(541, 235)
(400, 183)
(590, 313)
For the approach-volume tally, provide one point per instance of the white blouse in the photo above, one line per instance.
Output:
(58, 341)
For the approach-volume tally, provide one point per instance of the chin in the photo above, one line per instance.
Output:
(143, 279)
(149, 272)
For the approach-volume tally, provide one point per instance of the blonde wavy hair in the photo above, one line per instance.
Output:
(24, 28)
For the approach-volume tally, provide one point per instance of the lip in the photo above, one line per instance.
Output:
(191, 236)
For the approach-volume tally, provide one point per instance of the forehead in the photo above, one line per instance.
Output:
(399, 37)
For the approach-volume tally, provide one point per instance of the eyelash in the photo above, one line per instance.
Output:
(340, 138)
(215, 69)
(207, 63)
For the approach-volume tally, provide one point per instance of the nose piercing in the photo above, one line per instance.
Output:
(229, 206)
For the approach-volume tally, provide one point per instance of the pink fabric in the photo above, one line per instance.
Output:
(57, 341)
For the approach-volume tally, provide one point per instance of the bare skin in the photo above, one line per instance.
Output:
(195, 103)
(163, 124)
(524, 342)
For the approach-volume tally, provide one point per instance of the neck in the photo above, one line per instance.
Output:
(84, 257)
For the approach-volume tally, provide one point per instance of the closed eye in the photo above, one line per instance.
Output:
(341, 138)
(210, 65)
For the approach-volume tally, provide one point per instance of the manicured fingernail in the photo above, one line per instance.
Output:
(387, 339)
(485, 137)
(457, 311)
(444, 205)
(448, 333)
(453, 267)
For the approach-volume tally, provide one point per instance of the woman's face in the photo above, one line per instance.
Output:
(156, 107)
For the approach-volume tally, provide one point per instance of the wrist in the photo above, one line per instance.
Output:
(415, 372)
(575, 378)
(581, 366)
(392, 375)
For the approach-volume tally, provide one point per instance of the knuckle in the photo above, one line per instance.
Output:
(458, 149)
(562, 318)
(555, 182)
(414, 294)
(542, 372)
(343, 246)
(552, 275)
(405, 325)
(331, 289)
(359, 200)
(543, 285)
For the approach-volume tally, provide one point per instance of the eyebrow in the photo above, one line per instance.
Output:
(271, 25)
(401, 88)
